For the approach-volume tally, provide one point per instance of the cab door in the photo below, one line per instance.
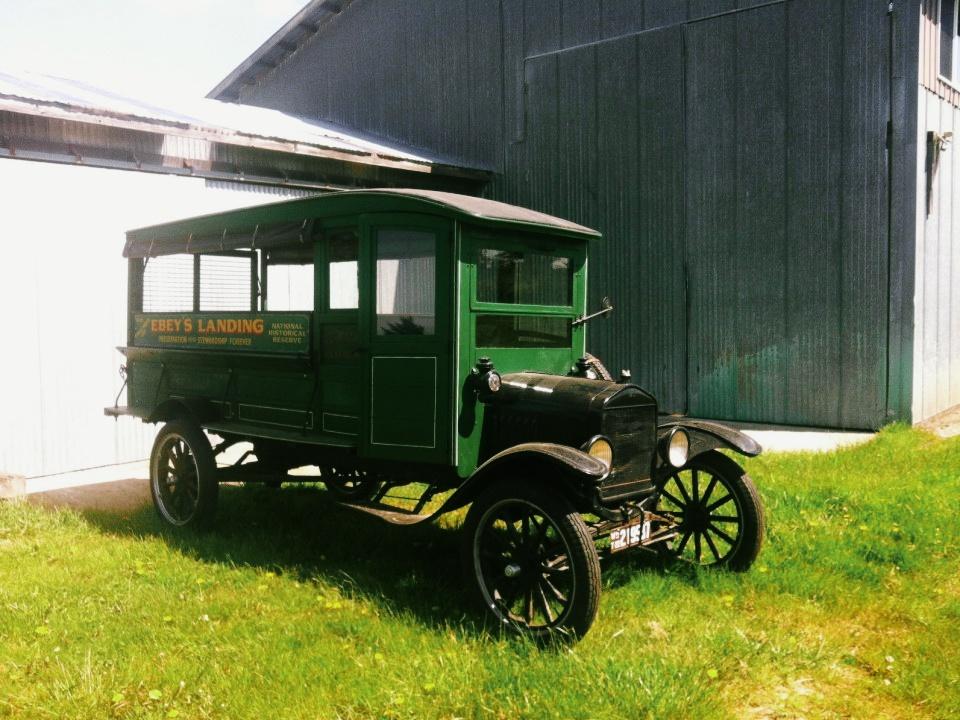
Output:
(406, 304)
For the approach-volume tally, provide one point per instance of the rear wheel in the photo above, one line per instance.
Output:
(532, 561)
(718, 511)
(183, 480)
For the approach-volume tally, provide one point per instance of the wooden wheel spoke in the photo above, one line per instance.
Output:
(722, 501)
(720, 533)
(695, 482)
(545, 604)
(554, 590)
(683, 490)
(697, 549)
(514, 535)
(508, 598)
(683, 541)
(528, 609)
(712, 546)
(725, 519)
(556, 566)
(706, 493)
(672, 499)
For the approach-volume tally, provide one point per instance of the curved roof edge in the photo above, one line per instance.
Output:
(250, 226)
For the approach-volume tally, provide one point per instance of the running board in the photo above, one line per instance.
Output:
(391, 514)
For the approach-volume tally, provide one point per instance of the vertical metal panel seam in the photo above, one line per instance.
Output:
(787, 325)
(504, 142)
(684, 235)
(841, 206)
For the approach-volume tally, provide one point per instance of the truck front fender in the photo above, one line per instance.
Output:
(571, 467)
(706, 436)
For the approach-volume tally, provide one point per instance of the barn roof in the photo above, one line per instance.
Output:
(283, 223)
(192, 135)
(285, 41)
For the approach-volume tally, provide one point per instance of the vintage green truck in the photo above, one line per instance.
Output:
(409, 337)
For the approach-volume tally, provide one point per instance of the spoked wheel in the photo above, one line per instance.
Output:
(533, 561)
(718, 511)
(183, 480)
(350, 485)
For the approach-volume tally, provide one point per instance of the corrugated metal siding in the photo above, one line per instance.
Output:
(736, 164)
(63, 307)
(937, 324)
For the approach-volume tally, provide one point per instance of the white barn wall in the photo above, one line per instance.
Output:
(62, 305)
(936, 384)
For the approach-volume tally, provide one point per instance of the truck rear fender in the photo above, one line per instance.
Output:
(576, 472)
(705, 436)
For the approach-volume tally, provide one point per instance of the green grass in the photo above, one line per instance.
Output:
(294, 608)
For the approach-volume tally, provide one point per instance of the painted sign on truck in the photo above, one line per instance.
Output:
(256, 332)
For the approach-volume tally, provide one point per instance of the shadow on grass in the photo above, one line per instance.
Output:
(298, 531)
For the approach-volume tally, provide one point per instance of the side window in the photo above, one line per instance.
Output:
(225, 281)
(289, 276)
(343, 269)
(406, 282)
(219, 281)
(168, 284)
(948, 40)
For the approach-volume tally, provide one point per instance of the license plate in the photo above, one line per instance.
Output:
(629, 535)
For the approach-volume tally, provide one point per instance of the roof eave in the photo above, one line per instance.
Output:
(308, 20)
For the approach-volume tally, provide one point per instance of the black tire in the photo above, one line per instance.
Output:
(726, 530)
(183, 476)
(351, 486)
(511, 528)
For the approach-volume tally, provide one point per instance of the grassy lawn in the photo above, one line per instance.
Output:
(294, 608)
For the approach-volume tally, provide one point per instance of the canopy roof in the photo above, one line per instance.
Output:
(285, 223)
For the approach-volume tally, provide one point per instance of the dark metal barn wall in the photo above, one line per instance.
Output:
(733, 154)
(424, 73)
(737, 166)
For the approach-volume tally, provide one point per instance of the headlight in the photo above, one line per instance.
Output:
(601, 449)
(678, 448)
(493, 382)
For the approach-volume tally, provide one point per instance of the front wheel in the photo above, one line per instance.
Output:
(718, 512)
(183, 480)
(532, 561)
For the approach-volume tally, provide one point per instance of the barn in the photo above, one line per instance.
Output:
(774, 178)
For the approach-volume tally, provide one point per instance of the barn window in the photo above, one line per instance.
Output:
(949, 50)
